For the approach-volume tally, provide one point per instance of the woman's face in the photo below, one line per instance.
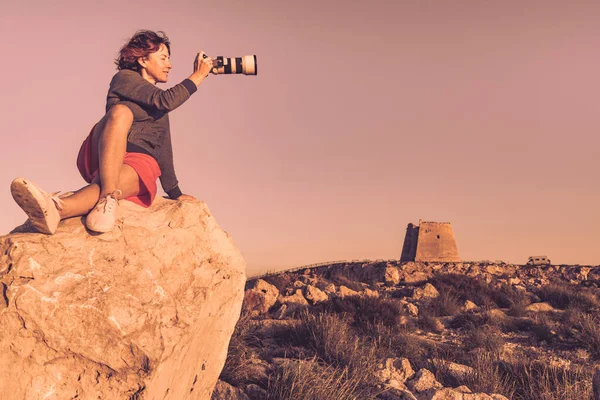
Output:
(157, 65)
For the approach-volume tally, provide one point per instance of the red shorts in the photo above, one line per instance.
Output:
(145, 166)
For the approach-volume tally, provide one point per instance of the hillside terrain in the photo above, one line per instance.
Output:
(406, 330)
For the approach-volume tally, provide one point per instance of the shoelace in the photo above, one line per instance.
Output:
(57, 200)
(109, 203)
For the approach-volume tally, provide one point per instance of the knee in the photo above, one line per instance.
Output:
(120, 113)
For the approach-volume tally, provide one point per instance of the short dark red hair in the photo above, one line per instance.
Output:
(141, 44)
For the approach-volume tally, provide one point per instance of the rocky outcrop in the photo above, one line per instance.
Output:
(145, 311)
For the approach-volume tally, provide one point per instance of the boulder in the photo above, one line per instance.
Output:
(259, 298)
(394, 372)
(426, 292)
(315, 295)
(146, 310)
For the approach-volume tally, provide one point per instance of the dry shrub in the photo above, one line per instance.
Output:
(342, 279)
(533, 380)
(430, 323)
(485, 337)
(473, 288)
(567, 295)
(401, 342)
(488, 376)
(447, 303)
(242, 355)
(368, 311)
(589, 326)
(311, 380)
(281, 280)
(519, 300)
(543, 328)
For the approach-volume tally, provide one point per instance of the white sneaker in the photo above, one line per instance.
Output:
(41, 207)
(103, 217)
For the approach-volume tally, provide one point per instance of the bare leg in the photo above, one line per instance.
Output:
(82, 201)
(109, 142)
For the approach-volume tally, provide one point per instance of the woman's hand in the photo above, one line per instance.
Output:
(186, 197)
(203, 64)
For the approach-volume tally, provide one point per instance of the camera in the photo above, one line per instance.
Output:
(246, 65)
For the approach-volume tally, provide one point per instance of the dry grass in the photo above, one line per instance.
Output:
(311, 380)
(446, 304)
(484, 337)
(364, 312)
(533, 380)
(242, 355)
(476, 290)
(589, 326)
(570, 296)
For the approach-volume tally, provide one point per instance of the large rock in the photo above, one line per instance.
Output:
(259, 298)
(146, 310)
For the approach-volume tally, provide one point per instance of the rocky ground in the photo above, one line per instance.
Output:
(406, 330)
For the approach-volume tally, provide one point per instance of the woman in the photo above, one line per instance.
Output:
(129, 148)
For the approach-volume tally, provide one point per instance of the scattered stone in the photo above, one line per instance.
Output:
(296, 299)
(345, 292)
(539, 307)
(423, 380)
(462, 389)
(371, 293)
(391, 276)
(330, 289)
(411, 309)
(255, 392)
(314, 295)
(224, 391)
(469, 305)
(428, 291)
(457, 371)
(394, 372)
(299, 284)
(442, 394)
(416, 276)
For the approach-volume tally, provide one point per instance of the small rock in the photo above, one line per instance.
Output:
(391, 276)
(539, 307)
(224, 391)
(297, 299)
(345, 292)
(255, 392)
(427, 291)
(423, 380)
(371, 293)
(469, 305)
(442, 394)
(314, 295)
(462, 389)
(329, 289)
(411, 309)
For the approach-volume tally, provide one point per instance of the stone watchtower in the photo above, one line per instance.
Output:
(430, 241)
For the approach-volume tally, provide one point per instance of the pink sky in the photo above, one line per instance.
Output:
(364, 117)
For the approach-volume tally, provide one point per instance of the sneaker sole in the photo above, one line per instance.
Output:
(29, 198)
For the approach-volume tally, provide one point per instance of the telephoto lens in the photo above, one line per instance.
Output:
(246, 65)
